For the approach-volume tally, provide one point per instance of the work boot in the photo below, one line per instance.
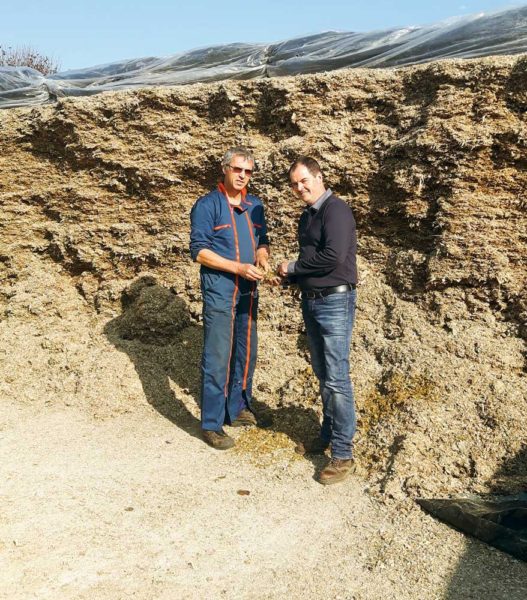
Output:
(314, 446)
(337, 470)
(245, 418)
(217, 439)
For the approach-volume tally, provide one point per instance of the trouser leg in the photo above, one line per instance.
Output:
(338, 319)
(316, 350)
(331, 318)
(243, 356)
(217, 345)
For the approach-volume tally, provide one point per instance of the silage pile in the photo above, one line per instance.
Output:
(100, 303)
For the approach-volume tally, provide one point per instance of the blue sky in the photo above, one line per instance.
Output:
(83, 34)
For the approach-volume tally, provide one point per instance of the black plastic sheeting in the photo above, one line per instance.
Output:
(483, 34)
(498, 521)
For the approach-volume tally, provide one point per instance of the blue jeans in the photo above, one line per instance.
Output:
(329, 324)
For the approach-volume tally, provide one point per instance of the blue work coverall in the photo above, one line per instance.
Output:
(230, 303)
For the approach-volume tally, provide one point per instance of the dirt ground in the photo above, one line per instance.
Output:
(137, 507)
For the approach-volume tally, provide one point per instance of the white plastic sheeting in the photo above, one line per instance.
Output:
(483, 34)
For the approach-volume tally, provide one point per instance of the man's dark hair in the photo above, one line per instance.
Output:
(310, 163)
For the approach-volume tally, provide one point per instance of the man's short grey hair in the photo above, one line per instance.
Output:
(237, 151)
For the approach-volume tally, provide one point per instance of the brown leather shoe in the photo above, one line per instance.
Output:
(314, 446)
(245, 418)
(337, 470)
(217, 439)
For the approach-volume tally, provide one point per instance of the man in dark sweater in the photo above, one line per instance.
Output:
(326, 272)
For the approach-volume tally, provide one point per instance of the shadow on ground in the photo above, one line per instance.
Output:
(156, 332)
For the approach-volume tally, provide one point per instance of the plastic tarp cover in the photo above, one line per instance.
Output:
(500, 522)
(503, 32)
(22, 86)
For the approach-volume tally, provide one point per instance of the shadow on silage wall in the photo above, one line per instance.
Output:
(484, 573)
(157, 333)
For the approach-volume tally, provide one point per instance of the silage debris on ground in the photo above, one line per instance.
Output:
(265, 448)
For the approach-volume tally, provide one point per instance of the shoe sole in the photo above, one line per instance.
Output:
(226, 444)
(243, 423)
(261, 423)
(220, 447)
(335, 479)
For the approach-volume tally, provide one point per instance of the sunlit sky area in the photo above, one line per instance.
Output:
(83, 34)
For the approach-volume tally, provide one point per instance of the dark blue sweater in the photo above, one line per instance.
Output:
(328, 246)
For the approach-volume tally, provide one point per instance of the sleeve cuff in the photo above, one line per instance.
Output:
(291, 268)
(195, 250)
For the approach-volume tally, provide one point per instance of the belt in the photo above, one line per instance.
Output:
(311, 294)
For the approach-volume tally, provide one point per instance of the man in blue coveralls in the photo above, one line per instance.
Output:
(229, 239)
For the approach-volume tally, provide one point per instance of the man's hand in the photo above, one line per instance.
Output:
(210, 259)
(262, 261)
(274, 280)
(249, 272)
(282, 269)
(279, 276)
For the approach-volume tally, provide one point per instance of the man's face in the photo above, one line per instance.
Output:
(307, 186)
(237, 173)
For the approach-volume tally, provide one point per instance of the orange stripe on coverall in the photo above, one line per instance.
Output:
(249, 322)
(222, 189)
